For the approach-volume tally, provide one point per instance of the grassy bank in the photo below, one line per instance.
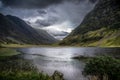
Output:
(28, 45)
(52, 45)
(8, 52)
(19, 45)
(14, 68)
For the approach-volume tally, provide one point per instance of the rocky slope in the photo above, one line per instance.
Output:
(101, 27)
(15, 30)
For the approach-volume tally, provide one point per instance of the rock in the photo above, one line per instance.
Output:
(57, 76)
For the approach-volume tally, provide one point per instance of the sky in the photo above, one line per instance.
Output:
(57, 17)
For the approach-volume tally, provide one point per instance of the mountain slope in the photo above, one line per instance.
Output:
(15, 30)
(101, 27)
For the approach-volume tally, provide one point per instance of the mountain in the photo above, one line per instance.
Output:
(100, 27)
(15, 30)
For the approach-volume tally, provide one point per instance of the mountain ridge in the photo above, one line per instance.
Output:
(97, 27)
(15, 30)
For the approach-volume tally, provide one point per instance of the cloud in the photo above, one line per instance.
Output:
(58, 16)
(36, 3)
(1, 4)
(68, 14)
(42, 12)
(42, 23)
(30, 3)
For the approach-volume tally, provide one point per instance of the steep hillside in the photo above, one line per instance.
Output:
(101, 27)
(15, 30)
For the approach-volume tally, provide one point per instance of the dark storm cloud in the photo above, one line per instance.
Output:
(54, 16)
(42, 23)
(45, 23)
(34, 3)
(42, 12)
(30, 3)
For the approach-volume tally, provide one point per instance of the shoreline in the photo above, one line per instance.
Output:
(52, 45)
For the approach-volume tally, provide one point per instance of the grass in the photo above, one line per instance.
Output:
(23, 76)
(103, 67)
(15, 68)
(102, 37)
(18, 45)
(27, 45)
(8, 52)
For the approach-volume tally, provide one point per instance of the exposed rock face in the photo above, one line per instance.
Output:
(15, 30)
(101, 27)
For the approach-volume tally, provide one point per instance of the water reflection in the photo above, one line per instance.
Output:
(49, 59)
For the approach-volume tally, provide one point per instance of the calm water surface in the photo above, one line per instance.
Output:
(49, 59)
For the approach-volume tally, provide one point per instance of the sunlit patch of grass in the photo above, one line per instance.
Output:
(8, 52)
(26, 45)
(103, 37)
(111, 38)
(17, 45)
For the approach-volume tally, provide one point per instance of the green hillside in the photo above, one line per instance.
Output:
(14, 30)
(101, 27)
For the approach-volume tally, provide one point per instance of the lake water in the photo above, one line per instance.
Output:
(49, 59)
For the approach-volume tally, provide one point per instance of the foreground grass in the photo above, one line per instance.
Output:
(103, 68)
(14, 68)
(23, 76)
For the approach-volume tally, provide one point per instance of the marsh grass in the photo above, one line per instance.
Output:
(15, 68)
(23, 76)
